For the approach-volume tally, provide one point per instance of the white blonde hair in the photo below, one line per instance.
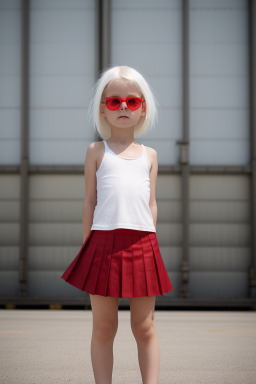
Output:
(99, 123)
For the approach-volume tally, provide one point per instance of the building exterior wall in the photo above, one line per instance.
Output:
(65, 47)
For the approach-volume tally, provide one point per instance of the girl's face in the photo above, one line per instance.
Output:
(122, 88)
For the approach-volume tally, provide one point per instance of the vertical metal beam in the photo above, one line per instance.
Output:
(102, 35)
(252, 85)
(98, 33)
(23, 264)
(184, 152)
(106, 34)
(102, 38)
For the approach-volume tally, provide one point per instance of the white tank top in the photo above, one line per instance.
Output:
(123, 193)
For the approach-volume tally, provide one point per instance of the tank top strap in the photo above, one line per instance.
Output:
(106, 146)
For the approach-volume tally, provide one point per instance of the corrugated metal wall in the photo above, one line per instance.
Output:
(9, 234)
(220, 236)
(10, 75)
(61, 77)
(62, 73)
(10, 115)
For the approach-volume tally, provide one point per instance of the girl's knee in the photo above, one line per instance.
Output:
(105, 329)
(143, 330)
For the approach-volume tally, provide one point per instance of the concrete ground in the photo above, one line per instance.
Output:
(53, 346)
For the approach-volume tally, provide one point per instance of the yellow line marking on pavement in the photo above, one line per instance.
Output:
(16, 331)
(233, 330)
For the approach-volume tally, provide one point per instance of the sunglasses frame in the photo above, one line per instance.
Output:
(121, 100)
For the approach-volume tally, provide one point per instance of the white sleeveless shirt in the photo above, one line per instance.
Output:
(123, 193)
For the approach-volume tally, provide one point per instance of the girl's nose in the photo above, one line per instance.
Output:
(123, 105)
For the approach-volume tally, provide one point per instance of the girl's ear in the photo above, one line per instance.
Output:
(102, 109)
(144, 109)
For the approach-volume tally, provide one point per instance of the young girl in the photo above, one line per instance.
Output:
(120, 256)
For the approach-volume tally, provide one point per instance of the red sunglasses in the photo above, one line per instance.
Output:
(113, 103)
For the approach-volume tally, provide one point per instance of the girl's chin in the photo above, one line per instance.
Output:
(122, 127)
(124, 123)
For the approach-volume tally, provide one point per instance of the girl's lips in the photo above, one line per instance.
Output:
(123, 117)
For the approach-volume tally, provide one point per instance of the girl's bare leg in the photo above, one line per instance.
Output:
(105, 324)
(144, 331)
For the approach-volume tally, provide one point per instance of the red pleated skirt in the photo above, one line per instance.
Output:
(119, 263)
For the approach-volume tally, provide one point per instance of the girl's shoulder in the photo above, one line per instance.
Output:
(96, 144)
(151, 151)
(94, 154)
(152, 156)
(95, 150)
(95, 147)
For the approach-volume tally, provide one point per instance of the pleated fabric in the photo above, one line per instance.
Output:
(119, 263)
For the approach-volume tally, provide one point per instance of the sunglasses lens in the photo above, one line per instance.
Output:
(133, 103)
(113, 103)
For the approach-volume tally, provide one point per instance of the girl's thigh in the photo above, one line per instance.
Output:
(104, 308)
(142, 310)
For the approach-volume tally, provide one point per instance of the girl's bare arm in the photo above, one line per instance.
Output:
(153, 176)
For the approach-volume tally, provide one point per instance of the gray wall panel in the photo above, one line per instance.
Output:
(9, 260)
(9, 283)
(217, 258)
(42, 234)
(220, 188)
(51, 258)
(10, 211)
(219, 285)
(217, 4)
(56, 187)
(10, 81)
(49, 283)
(9, 234)
(169, 210)
(219, 76)
(55, 231)
(61, 79)
(220, 235)
(169, 227)
(220, 211)
(56, 211)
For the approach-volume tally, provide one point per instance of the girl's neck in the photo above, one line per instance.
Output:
(121, 141)
(122, 136)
